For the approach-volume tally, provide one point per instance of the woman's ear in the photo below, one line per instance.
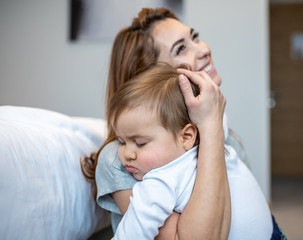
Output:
(189, 135)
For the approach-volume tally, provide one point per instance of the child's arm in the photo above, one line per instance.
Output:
(151, 204)
(169, 230)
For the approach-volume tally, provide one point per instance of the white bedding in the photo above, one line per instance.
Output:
(43, 192)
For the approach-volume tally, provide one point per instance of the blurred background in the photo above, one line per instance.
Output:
(50, 60)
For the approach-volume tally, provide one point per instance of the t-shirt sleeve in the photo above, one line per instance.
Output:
(152, 202)
(111, 176)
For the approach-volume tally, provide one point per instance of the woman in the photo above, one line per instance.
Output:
(156, 35)
(208, 212)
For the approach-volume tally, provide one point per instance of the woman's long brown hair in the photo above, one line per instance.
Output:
(132, 53)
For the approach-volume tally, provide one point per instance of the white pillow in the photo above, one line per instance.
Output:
(44, 194)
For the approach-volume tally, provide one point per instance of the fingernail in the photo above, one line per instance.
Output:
(182, 78)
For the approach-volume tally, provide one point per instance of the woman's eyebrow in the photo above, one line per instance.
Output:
(181, 40)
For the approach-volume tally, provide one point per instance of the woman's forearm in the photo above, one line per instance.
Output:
(207, 214)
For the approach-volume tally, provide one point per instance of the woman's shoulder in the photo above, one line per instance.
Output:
(109, 152)
(109, 164)
(111, 175)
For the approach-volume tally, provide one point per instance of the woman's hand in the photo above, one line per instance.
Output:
(208, 106)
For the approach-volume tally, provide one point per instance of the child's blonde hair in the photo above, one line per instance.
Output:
(156, 89)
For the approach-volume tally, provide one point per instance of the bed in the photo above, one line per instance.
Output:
(43, 192)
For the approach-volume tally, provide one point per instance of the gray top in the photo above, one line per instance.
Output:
(111, 176)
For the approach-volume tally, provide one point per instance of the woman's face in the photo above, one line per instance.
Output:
(180, 46)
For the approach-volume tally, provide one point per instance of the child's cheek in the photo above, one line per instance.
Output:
(149, 161)
(120, 153)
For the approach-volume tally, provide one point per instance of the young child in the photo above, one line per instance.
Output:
(158, 146)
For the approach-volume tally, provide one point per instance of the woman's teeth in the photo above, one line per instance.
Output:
(208, 67)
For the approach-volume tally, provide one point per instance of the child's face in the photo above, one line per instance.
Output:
(144, 143)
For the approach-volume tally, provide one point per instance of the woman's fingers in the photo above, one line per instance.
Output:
(196, 77)
(208, 104)
(206, 76)
(186, 89)
(193, 76)
(202, 80)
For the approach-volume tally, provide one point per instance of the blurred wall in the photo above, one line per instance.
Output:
(40, 67)
(237, 32)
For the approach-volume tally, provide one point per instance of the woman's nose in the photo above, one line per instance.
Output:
(202, 50)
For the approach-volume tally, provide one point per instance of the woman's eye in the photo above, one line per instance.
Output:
(180, 49)
(195, 36)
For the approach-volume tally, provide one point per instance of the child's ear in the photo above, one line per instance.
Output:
(189, 135)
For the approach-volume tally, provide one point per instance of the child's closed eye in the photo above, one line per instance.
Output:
(120, 141)
(141, 143)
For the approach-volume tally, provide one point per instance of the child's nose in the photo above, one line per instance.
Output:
(129, 154)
